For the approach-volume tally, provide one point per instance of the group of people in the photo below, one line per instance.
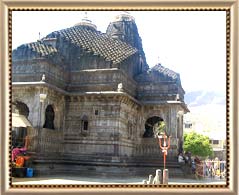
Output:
(18, 153)
(206, 168)
(214, 168)
(186, 158)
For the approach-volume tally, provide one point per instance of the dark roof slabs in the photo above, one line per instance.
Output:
(98, 43)
(165, 71)
(41, 48)
(92, 41)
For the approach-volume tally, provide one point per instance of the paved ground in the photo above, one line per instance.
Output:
(104, 180)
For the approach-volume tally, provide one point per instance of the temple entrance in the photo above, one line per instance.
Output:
(149, 126)
(19, 131)
(49, 117)
(20, 108)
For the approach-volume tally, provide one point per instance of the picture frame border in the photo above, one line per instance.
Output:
(232, 93)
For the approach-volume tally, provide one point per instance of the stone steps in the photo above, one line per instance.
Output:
(117, 161)
(103, 166)
(99, 171)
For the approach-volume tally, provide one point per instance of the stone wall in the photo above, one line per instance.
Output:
(32, 71)
(128, 126)
(116, 123)
(112, 131)
(29, 95)
(101, 115)
(83, 80)
(101, 80)
(158, 91)
(45, 141)
(88, 61)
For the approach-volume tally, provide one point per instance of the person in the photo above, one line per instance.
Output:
(180, 148)
(208, 164)
(20, 150)
(222, 169)
(189, 158)
(197, 160)
(193, 166)
(181, 159)
(186, 157)
(212, 169)
(216, 166)
(205, 172)
(221, 165)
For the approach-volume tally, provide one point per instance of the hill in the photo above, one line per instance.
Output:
(207, 112)
(199, 98)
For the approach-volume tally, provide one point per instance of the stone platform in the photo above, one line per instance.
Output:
(105, 166)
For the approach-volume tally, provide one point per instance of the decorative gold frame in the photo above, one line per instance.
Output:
(232, 8)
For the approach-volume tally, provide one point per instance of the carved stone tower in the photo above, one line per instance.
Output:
(123, 27)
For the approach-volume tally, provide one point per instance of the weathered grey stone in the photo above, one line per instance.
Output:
(158, 177)
(101, 101)
(144, 181)
(151, 179)
(165, 176)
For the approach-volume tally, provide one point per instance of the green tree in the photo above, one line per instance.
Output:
(197, 144)
(159, 128)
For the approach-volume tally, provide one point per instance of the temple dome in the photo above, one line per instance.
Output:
(86, 22)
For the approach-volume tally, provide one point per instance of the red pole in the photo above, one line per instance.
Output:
(164, 148)
(164, 159)
(164, 154)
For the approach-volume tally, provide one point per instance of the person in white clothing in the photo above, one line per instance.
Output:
(181, 158)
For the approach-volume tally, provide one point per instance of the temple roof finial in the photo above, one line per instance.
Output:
(85, 21)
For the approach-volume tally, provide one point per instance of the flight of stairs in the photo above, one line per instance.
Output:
(89, 165)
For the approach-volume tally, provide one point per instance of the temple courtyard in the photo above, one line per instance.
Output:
(64, 180)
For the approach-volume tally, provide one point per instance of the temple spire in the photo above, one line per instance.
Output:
(86, 15)
(85, 21)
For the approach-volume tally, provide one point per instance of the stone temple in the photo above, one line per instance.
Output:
(102, 100)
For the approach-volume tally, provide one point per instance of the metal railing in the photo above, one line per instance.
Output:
(150, 147)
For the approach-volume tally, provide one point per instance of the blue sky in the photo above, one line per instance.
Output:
(192, 43)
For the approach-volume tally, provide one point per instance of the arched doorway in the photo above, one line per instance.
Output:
(19, 132)
(149, 125)
(84, 128)
(20, 108)
(49, 117)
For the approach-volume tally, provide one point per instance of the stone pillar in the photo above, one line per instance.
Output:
(158, 177)
(173, 121)
(151, 179)
(165, 176)
(180, 124)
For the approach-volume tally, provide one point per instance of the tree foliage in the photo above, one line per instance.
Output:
(197, 144)
(160, 128)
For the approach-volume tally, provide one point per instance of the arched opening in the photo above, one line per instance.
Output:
(49, 117)
(149, 126)
(21, 108)
(19, 132)
(84, 123)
